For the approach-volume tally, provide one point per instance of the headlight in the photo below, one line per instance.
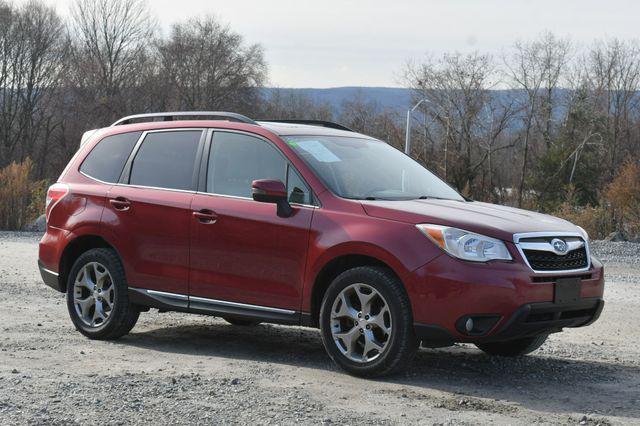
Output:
(464, 244)
(583, 232)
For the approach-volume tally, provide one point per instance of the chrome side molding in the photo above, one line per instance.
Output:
(203, 302)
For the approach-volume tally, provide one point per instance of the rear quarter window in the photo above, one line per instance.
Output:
(106, 160)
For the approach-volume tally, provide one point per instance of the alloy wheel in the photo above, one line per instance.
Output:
(93, 294)
(361, 323)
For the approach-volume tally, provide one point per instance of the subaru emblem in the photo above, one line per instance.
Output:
(559, 246)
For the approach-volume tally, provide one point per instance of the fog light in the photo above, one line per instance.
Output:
(476, 325)
(469, 325)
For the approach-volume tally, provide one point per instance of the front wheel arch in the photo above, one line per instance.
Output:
(331, 270)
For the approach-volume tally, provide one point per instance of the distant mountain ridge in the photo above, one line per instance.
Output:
(393, 98)
(397, 99)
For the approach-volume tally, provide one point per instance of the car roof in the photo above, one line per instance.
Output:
(298, 129)
(262, 128)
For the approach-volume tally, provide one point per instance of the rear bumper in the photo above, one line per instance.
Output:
(529, 320)
(50, 278)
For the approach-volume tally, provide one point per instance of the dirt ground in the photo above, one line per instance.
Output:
(177, 368)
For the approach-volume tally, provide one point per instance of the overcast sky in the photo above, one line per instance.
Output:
(330, 43)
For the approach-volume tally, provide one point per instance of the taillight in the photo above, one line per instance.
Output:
(56, 192)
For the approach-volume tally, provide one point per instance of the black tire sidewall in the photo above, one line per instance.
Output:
(402, 334)
(110, 260)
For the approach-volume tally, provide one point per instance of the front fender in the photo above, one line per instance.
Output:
(334, 234)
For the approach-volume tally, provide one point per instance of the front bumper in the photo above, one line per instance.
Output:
(513, 300)
(529, 320)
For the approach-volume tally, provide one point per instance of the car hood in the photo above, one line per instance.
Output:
(484, 218)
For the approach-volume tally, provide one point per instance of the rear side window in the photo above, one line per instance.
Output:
(236, 160)
(106, 160)
(166, 160)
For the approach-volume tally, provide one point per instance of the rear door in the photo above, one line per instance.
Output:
(244, 252)
(149, 211)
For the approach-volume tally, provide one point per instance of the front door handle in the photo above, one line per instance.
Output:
(205, 216)
(120, 203)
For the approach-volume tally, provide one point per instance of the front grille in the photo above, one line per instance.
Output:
(548, 261)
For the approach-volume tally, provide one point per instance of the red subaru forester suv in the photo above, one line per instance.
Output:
(304, 223)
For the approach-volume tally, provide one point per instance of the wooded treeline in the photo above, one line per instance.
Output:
(547, 125)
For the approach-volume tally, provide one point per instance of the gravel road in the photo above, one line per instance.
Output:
(177, 368)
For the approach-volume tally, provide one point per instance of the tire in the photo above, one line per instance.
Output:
(513, 348)
(241, 322)
(387, 336)
(114, 321)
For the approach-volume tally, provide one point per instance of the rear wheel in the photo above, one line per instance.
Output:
(513, 348)
(366, 322)
(97, 296)
(241, 322)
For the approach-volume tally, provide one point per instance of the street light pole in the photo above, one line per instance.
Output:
(407, 137)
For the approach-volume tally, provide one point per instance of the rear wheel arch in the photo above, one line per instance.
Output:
(74, 249)
(332, 269)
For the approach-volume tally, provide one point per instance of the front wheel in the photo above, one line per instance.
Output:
(513, 348)
(97, 296)
(366, 322)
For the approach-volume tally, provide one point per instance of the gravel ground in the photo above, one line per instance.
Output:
(176, 368)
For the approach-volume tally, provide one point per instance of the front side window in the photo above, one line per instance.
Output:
(166, 160)
(297, 190)
(236, 160)
(368, 169)
(106, 160)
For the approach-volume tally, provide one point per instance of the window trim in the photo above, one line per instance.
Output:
(124, 166)
(206, 155)
(125, 176)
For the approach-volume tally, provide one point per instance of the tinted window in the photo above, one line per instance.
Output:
(236, 160)
(166, 160)
(297, 190)
(107, 158)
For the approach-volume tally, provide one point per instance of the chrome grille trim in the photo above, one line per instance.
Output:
(539, 246)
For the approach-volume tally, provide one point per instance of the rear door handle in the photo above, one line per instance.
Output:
(205, 216)
(120, 203)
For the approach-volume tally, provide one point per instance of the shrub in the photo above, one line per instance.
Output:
(597, 221)
(623, 193)
(21, 198)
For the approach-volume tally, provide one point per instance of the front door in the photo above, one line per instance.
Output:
(241, 251)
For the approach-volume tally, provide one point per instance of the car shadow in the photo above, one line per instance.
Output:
(540, 381)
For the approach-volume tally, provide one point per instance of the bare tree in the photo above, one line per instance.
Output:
(536, 68)
(112, 39)
(33, 47)
(457, 91)
(611, 71)
(291, 104)
(210, 67)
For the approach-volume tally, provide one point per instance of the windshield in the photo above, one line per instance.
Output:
(368, 169)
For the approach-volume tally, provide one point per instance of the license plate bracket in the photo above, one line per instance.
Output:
(567, 290)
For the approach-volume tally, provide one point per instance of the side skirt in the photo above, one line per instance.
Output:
(221, 308)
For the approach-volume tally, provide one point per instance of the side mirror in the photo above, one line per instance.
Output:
(272, 191)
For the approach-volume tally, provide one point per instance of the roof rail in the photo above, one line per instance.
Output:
(170, 116)
(321, 123)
